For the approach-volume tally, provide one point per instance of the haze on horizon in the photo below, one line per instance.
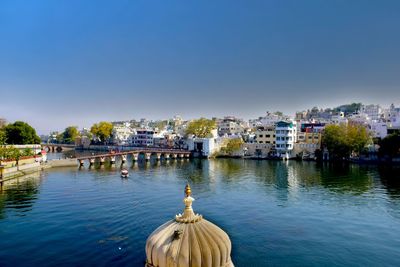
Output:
(75, 63)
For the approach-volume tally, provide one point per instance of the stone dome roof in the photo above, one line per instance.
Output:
(188, 240)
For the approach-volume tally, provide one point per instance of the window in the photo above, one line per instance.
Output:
(260, 135)
(267, 135)
(261, 142)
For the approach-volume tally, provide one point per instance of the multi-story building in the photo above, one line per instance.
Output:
(268, 119)
(121, 133)
(265, 135)
(394, 116)
(230, 126)
(143, 137)
(285, 134)
(374, 112)
(339, 119)
(378, 129)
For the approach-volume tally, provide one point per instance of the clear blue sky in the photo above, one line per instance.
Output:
(77, 62)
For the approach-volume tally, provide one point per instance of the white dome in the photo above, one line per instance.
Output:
(188, 240)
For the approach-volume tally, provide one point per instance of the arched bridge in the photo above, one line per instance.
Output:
(158, 153)
(57, 147)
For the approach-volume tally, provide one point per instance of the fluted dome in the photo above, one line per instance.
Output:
(188, 240)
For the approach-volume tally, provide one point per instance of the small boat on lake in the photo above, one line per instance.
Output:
(124, 173)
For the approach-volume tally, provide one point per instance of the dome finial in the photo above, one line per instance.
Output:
(188, 190)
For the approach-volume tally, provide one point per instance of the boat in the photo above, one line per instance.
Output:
(124, 173)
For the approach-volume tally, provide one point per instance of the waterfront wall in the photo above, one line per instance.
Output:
(19, 170)
(62, 163)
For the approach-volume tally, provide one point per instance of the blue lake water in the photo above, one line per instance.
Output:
(276, 213)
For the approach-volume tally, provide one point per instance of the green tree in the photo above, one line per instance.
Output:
(27, 152)
(21, 133)
(10, 153)
(160, 124)
(342, 140)
(201, 128)
(232, 146)
(357, 137)
(69, 135)
(102, 130)
(2, 136)
(390, 145)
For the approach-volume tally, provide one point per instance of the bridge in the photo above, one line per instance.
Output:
(57, 147)
(157, 153)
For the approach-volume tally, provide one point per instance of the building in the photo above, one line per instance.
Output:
(339, 119)
(285, 134)
(257, 150)
(268, 119)
(121, 133)
(143, 137)
(230, 126)
(188, 240)
(374, 112)
(378, 129)
(265, 135)
(309, 138)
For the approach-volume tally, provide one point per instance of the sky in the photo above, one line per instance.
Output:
(70, 62)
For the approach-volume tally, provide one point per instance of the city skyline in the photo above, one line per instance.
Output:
(78, 63)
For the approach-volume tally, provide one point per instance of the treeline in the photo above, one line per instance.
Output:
(18, 133)
(99, 132)
(352, 140)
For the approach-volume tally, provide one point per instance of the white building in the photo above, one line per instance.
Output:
(394, 116)
(378, 129)
(204, 146)
(121, 133)
(267, 120)
(374, 112)
(230, 126)
(285, 134)
(339, 119)
(143, 137)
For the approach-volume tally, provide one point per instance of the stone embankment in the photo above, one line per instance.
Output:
(19, 170)
(71, 162)
(16, 171)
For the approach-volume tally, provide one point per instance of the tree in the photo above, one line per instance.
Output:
(9, 153)
(160, 124)
(357, 137)
(2, 136)
(232, 146)
(390, 145)
(201, 128)
(342, 140)
(69, 135)
(348, 108)
(102, 130)
(20, 133)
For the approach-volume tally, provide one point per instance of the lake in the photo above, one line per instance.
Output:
(276, 213)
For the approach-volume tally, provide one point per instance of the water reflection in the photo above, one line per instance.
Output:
(19, 194)
(390, 178)
(290, 213)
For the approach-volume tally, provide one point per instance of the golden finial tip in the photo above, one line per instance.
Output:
(188, 190)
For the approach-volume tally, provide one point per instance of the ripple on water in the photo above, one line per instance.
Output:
(276, 213)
